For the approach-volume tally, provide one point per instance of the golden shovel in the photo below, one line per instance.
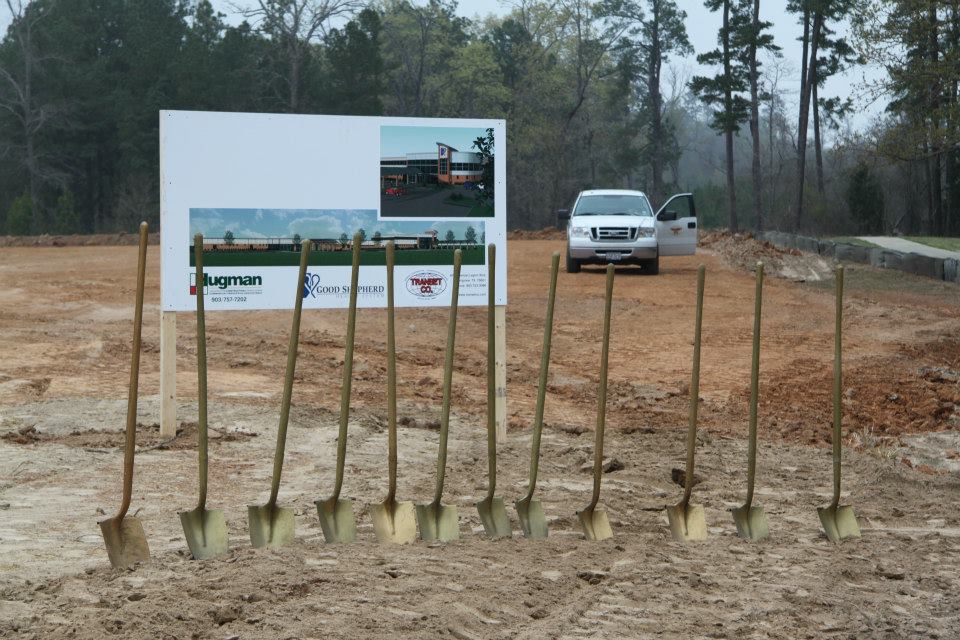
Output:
(838, 520)
(492, 511)
(205, 530)
(529, 510)
(393, 521)
(336, 515)
(751, 521)
(438, 521)
(686, 520)
(270, 525)
(123, 536)
(593, 520)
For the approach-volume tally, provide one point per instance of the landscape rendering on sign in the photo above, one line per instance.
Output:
(273, 237)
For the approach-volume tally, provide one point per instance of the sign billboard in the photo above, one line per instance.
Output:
(259, 185)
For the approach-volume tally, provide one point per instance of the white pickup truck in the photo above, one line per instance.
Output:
(619, 226)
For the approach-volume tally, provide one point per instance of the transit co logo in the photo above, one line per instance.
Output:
(223, 282)
(427, 284)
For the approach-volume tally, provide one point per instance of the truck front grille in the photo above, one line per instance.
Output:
(614, 233)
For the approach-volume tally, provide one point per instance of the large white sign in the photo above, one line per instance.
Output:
(258, 185)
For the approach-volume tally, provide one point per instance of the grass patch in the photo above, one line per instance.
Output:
(414, 257)
(853, 240)
(458, 200)
(950, 244)
(481, 211)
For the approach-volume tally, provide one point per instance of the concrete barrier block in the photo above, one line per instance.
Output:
(892, 259)
(852, 253)
(923, 265)
(876, 258)
(826, 248)
(950, 272)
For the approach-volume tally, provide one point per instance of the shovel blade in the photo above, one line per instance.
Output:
(532, 520)
(493, 514)
(206, 532)
(595, 524)
(751, 522)
(839, 523)
(687, 522)
(395, 522)
(336, 520)
(125, 541)
(438, 522)
(271, 528)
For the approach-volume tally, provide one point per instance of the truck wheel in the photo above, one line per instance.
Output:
(653, 266)
(573, 266)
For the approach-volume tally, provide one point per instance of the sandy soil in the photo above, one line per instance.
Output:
(64, 332)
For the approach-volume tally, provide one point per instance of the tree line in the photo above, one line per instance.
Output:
(592, 93)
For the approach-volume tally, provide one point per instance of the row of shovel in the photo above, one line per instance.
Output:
(271, 525)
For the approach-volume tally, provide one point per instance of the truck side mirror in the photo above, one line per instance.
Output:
(666, 216)
(563, 214)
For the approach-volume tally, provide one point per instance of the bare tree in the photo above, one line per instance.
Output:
(18, 98)
(293, 25)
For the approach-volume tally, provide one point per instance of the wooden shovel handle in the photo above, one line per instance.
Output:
(602, 393)
(754, 388)
(837, 384)
(448, 375)
(130, 443)
(491, 370)
(391, 379)
(201, 372)
(288, 380)
(347, 369)
(542, 385)
(694, 389)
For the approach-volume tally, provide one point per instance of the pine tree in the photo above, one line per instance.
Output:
(725, 90)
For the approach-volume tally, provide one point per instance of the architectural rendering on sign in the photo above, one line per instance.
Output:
(436, 172)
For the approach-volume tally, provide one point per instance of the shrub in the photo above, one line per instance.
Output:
(66, 219)
(20, 216)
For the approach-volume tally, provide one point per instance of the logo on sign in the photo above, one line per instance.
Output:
(193, 285)
(224, 282)
(426, 284)
(443, 152)
(311, 285)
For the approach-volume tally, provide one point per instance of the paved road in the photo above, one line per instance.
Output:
(424, 205)
(908, 246)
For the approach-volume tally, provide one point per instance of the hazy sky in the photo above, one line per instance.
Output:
(313, 223)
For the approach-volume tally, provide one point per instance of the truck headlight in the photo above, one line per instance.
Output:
(645, 232)
(579, 232)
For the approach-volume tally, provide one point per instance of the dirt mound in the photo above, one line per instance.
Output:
(547, 233)
(76, 240)
(743, 251)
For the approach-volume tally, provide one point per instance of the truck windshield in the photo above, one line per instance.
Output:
(613, 205)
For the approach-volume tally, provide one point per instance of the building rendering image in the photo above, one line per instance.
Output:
(445, 165)
(435, 172)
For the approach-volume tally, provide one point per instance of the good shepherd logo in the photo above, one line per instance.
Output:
(427, 284)
(313, 288)
(223, 282)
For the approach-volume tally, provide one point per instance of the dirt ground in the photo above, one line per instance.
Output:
(64, 351)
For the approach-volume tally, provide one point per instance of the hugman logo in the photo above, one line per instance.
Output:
(224, 282)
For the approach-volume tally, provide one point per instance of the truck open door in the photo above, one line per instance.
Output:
(677, 226)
